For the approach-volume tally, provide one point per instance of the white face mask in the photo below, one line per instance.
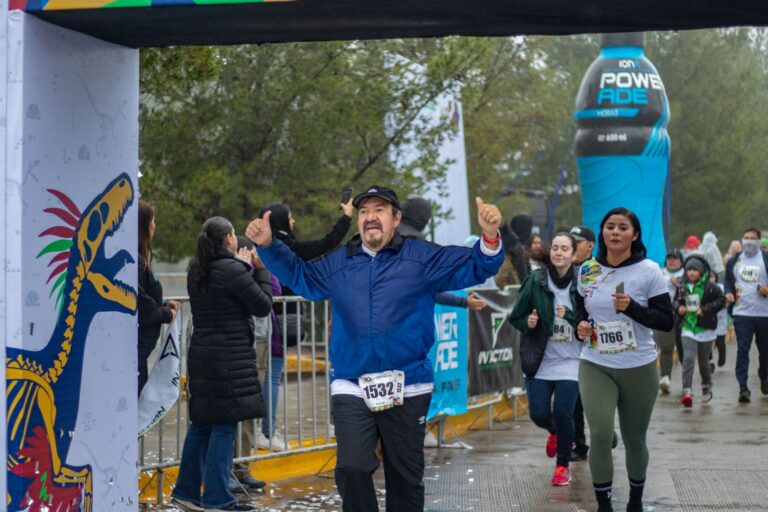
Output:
(750, 247)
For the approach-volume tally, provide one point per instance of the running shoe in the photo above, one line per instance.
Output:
(706, 394)
(687, 398)
(577, 457)
(764, 386)
(664, 383)
(562, 475)
(551, 445)
(236, 507)
(745, 395)
(721, 358)
(187, 505)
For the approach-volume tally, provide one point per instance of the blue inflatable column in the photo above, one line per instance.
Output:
(622, 144)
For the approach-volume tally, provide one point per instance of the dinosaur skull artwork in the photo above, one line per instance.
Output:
(99, 221)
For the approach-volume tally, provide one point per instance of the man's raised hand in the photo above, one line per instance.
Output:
(489, 218)
(259, 231)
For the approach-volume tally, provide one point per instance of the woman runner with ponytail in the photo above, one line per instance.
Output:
(626, 297)
(544, 314)
(226, 287)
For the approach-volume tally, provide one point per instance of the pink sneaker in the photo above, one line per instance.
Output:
(562, 475)
(551, 445)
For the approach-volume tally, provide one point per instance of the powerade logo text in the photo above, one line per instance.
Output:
(630, 87)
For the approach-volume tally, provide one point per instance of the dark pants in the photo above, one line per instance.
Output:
(746, 328)
(668, 342)
(580, 438)
(401, 430)
(554, 416)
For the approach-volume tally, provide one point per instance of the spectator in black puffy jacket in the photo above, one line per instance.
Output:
(226, 287)
(153, 312)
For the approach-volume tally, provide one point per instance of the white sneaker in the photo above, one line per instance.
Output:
(664, 384)
(276, 443)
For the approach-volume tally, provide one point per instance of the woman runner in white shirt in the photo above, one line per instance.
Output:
(625, 297)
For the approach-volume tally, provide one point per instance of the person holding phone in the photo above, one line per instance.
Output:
(625, 298)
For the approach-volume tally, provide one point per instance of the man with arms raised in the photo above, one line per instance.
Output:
(382, 288)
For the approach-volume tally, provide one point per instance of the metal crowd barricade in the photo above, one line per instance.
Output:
(304, 415)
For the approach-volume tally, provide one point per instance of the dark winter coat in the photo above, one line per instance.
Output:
(152, 311)
(223, 380)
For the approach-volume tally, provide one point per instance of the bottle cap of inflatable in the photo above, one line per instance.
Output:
(615, 39)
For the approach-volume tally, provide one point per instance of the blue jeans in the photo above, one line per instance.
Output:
(272, 387)
(746, 327)
(556, 418)
(206, 460)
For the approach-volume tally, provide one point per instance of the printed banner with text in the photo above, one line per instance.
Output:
(449, 360)
(494, 345)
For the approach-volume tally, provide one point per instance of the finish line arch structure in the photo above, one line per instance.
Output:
(69, 161)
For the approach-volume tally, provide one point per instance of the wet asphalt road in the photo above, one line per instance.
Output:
(711, 457)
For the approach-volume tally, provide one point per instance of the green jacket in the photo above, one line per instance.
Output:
(535, 294)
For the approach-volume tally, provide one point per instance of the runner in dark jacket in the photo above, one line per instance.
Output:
(382, 287)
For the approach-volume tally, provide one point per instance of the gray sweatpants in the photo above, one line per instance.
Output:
(692, 350)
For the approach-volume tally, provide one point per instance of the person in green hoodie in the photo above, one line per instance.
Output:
(697, 302)
(549, 351)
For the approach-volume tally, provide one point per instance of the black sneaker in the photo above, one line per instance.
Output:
(706, 393)
(721, 358)
(635, 507)
(253, 483)
(237, 507)
(745, 395)
(577, 457)
(764, 386)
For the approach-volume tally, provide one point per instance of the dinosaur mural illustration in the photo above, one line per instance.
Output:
(43, 387)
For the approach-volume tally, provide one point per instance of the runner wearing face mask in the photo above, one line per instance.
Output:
(746, 287)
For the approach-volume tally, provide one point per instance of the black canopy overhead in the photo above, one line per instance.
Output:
(321, 20)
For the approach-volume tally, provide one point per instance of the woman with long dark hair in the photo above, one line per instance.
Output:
(153, 312)
(626, 298)
(226, 287)
(549, 351)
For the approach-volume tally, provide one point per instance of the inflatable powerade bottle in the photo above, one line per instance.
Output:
(622, 145)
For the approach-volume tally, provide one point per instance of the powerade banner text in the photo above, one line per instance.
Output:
(622, 144)
(449, 360)
(494, 344)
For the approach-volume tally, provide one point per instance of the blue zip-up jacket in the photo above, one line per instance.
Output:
(382, 307)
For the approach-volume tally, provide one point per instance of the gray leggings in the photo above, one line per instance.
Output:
(631, 391)
(693, 349)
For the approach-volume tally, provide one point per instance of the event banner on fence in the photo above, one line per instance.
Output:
(449, 360)
(494, 363)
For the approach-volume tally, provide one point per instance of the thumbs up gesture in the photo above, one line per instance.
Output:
(259, 231)
(533, 319)
(489, 218)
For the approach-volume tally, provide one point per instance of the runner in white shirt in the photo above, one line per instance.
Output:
(544, 314)
(746, 286)
(625, 297)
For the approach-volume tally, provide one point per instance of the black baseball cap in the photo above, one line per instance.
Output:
(384, 193)
(583, 233)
